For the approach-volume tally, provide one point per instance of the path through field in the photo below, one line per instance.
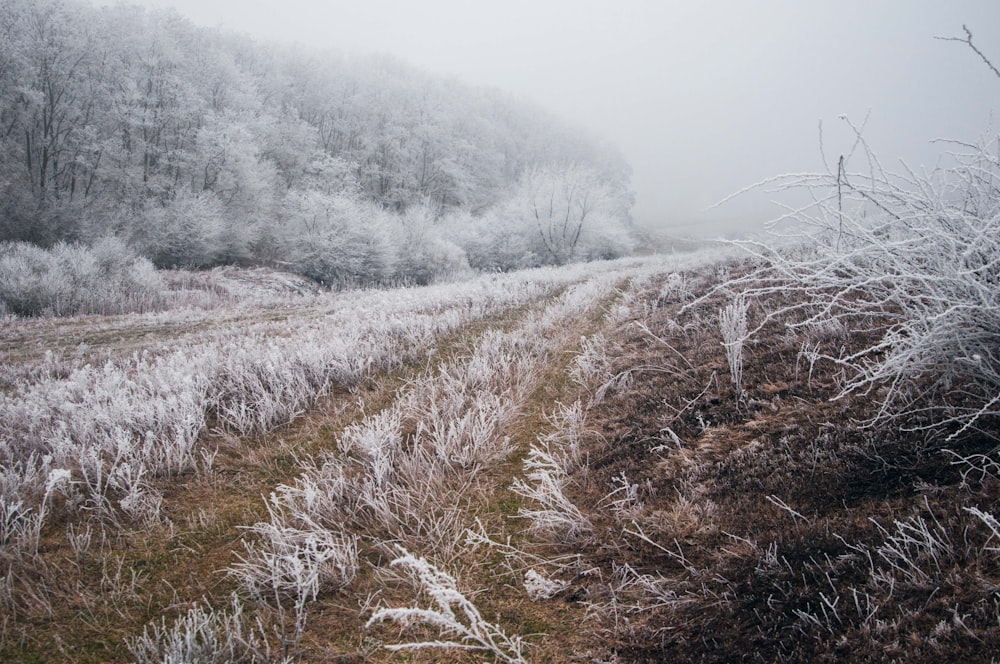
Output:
(286, 457)
(559, 465)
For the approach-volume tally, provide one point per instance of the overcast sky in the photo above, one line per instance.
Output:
(702, 96)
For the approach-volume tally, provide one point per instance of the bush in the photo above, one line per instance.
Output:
(497, 241)
(201, 636)
(72, 279)
(424, 256)
(187, 232)
(910, 263)
(336, 240)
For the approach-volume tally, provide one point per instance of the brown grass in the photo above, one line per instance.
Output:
(762, 510)
(761, 529)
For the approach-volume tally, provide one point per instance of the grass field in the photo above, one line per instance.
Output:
(593, 464)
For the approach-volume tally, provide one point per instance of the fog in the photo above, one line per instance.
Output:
(702, 97)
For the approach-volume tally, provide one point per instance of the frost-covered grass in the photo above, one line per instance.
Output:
(91, 437)
(460, 624)
(733, 325)
(547, 469)
(789, 514)
(116, 425)
(202, 636)
(411, 473)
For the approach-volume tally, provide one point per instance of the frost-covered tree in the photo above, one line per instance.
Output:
(186, 231)
(120, 121)
(568, 204)
(337, 240)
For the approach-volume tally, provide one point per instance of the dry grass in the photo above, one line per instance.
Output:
(777, 526)
(705, 522)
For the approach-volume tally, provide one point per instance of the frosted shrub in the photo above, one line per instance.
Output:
(676, 288)
(71, 279)
(338, 241)
(592, 365)
(555, 516)
(547, 469)
(297, 562)
(565, 440)
(733, 325)
(377, 439)
(201, 636)
(185, 231)
(322, 492)
(286, 567)
(457, 619)
(139, 501)
(473, 438)
(426, 257)
(910, 263)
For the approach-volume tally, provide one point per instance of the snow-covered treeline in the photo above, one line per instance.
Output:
(198, 147)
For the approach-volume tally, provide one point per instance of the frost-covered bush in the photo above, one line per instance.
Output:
(547, 470)
(71, 279)
(201, 636)
(297, 562)
(460, 624)
(337, 240)
(425, 256)
(496, 241)
(592, 364)
(187, 231)
(910, 264)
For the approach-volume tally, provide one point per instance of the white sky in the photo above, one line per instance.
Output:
(702, 96)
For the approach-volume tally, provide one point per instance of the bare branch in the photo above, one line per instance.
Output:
(968, 41)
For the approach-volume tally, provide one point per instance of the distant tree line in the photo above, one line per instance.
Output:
(198, 147)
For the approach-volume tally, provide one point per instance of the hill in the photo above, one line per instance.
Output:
(199, 147)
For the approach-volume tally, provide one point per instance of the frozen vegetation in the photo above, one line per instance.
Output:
(197, 148)
(301, 361)
(87, 445)
(697, 454)
(109, 426)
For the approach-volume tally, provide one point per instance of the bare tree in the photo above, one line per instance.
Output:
(562, 200)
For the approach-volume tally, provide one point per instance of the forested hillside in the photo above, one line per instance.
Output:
(197, 147)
